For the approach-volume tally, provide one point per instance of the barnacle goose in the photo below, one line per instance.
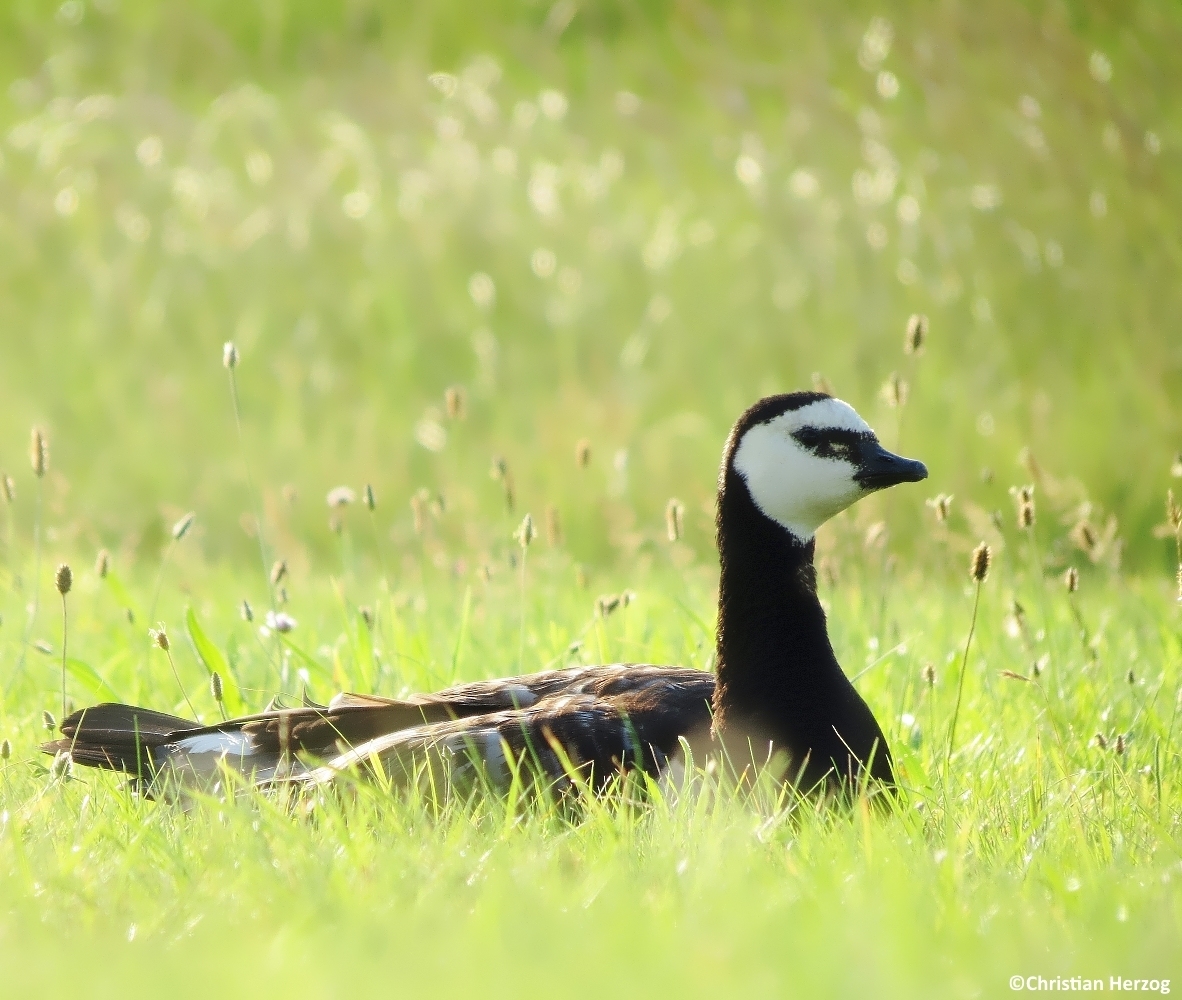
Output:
(791, 462)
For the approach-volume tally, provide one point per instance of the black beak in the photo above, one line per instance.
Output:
(878, 468)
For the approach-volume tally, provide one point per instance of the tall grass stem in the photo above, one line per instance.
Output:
(521, 641)
(65, 638)
(250, 485)
(964, 666)
(184, 693)
(32, 620)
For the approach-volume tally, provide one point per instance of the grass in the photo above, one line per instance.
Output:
(661, 215)
(1034, 852)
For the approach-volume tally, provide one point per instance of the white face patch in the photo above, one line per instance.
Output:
(790, 484)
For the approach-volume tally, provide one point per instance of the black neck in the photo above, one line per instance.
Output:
(778, 678)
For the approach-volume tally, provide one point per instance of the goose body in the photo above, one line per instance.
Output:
(791, 462)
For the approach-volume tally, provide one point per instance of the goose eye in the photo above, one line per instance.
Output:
(810, 437)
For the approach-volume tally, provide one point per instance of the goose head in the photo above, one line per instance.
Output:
(806, 456)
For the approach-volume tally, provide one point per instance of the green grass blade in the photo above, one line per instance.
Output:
(212, 659)
(121, 594)
(90, 679)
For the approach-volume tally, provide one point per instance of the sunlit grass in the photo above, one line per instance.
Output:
(1034, 849)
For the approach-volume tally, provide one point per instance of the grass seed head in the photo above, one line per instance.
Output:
(1071, 579)
(1024, 501)
(340, 496)
(1173, 512)
(63, 579)
(674, 519)
(940, 506)
(583, 453)
(1041, 664)
(9, 487)
(366, 616)
(5, 749)
(181, 528)
(1131, 677)
(500, 471)
(371, 500)
(229, 355)
(1176, 466)
(278, 571)
(581, 578)
(246, 611)
(526, 532)
(822, 384)
(48, 721)
(1027, 460)
(1120, 744)
(876, 536)
(1101, 741)
(1011, 675)
(159, 636)
(215, 687)
(1084, 536)
(1180, 583)
(418, 509)
(456, 402)
(917, 334)
(553, 526)
(979, 566)
(929, 674)
(605, 604)
(102, 564)
(62, 768)
(895, 390)
(38, 452)
(280, 621)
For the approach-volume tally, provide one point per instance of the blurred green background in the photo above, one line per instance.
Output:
(618, 221)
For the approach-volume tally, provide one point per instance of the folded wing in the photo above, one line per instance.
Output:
(600, 718)
(585, 732)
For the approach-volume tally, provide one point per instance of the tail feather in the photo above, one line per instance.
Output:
(117, 737)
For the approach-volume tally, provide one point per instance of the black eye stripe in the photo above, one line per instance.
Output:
(832, 442)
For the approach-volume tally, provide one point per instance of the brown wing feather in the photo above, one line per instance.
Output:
(352, 719)
(606, 720)
(606, 717)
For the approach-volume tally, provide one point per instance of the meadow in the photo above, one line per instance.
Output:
(535, 259)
